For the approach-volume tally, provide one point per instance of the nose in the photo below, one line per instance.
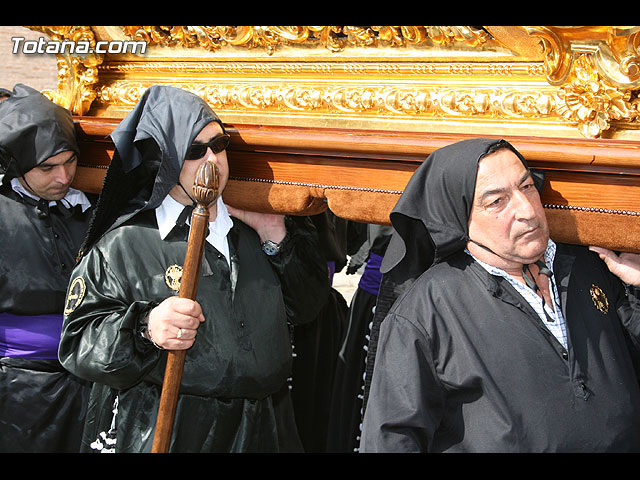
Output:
(210, 156)
(64, 174)
(523, 206)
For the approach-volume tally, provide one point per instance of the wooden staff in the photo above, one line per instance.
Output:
(205, 191)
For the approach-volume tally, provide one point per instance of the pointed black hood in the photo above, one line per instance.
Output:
(430, 223)
(151, 143)
(32, 129)
(431, 218)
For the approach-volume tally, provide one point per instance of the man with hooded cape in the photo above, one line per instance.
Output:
(234, 395)
(42, 406)
(461, 361)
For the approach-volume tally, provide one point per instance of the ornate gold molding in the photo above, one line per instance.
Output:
(346, 94)
(598, 71)
(408, 101)
(77, 74)
(332, 38)
(580, 81)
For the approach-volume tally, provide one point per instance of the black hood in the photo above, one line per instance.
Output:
(32, 129)
(432, 216)
(151, 143)
(430, 223)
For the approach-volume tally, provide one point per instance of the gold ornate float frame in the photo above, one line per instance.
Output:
(533, 80)
(341, 115)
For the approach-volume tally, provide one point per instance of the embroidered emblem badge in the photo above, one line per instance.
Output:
(173, 276)
(599, 299)
(75, 295)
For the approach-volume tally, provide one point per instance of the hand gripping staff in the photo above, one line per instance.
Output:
(205, 191)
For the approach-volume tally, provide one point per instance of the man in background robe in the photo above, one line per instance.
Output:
(43, 222)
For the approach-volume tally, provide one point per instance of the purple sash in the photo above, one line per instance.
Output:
(331, 266)
(25, 336)
(371, 277)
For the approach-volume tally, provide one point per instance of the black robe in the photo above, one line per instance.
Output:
(461, 362)
(316, 344)
(345, 422)
(234, 395)
(479, 372)
(42, 406)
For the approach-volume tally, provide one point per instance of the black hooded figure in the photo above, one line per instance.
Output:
(151, 144)
(459, 361)
(42, 406)
(234, 395)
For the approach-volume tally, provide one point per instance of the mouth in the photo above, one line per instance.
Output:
(529, 232)
(58, 192)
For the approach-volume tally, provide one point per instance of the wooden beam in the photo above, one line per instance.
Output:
(591, 191)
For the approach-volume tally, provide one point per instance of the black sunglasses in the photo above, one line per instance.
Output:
(217, 145)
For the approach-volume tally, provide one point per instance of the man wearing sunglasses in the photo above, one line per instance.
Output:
(123, 311)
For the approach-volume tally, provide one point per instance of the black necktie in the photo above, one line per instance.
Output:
(185, 214)
(65, 211)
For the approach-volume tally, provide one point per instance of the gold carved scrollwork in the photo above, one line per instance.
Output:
(598, 72)
(77, 73)
(592, 103)
(408, 101)
(333, 38)
(584, 78)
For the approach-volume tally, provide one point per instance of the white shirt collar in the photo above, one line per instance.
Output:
(170, 209)
(72, 198)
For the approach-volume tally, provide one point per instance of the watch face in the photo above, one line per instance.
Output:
(270, 248)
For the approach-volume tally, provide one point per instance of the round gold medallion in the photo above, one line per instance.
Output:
(75, 295)
(599, 299)
(173, 276)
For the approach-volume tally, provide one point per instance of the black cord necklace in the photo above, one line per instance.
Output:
(528, 277)
(531, 283)
(187, 210)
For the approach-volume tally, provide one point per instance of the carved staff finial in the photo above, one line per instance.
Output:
(205, 190)
(207, 183)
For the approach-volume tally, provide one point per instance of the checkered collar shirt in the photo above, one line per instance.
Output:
(558, 326)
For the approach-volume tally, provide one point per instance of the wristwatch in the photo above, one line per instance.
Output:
(272, 248)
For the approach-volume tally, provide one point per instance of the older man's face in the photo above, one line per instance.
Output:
(507, 215)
